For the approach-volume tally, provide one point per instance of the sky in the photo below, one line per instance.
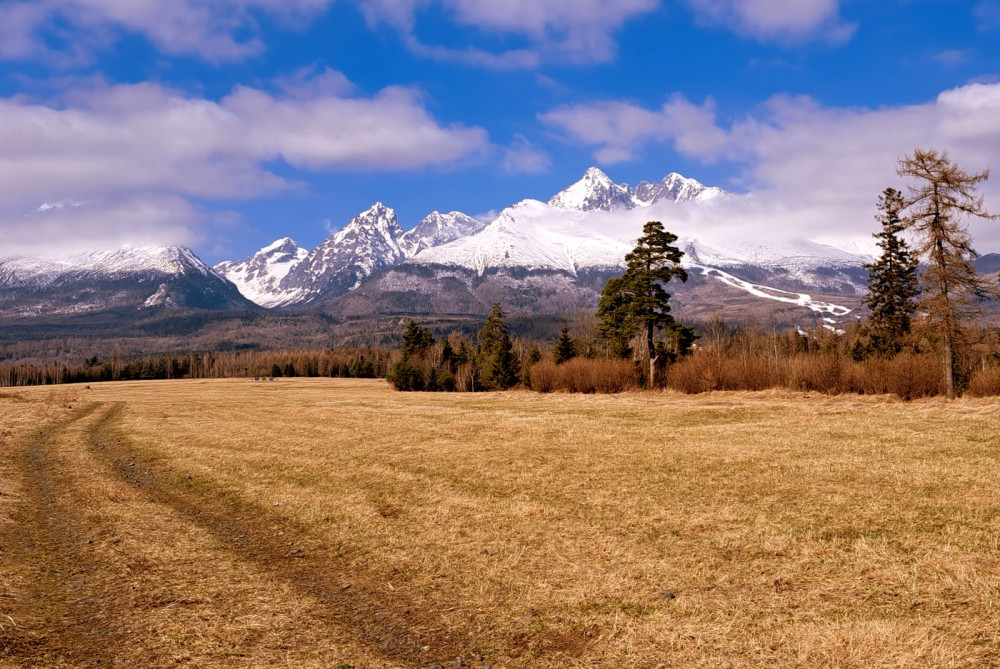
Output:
(226, 124)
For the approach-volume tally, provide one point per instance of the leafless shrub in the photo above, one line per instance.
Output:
(985, 382)
(584, 375)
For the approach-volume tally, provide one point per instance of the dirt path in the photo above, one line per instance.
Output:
(125, 561)
(62, 617)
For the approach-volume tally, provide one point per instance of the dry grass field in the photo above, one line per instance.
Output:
(336, 523)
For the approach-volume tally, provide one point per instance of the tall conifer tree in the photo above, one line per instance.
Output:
(892, 281)
(498, 366)
(636, 301)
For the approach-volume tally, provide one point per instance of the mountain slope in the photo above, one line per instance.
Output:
(127, 278)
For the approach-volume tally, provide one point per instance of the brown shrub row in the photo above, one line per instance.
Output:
(907, 375)
(582, 375)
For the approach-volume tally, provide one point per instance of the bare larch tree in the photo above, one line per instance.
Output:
(942, 196)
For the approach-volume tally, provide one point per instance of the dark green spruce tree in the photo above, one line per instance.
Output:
(407, 373)
(892, 281)
(565, 346)
(416, 339)
(636, 301)
(497, 364)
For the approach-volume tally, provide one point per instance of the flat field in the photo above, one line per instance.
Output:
(333, 523)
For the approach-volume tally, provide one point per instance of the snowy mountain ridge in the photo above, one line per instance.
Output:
(284, 274)
(595, 191)
(552, 255)
(128, 277)
(41, 271)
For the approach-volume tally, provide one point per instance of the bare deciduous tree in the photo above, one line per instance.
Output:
(943, 195)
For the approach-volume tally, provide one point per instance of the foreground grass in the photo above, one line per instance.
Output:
(337, 523)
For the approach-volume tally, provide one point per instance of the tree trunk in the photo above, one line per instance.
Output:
(949, 367)
(649, 353)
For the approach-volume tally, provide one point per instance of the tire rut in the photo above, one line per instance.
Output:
(61, 617)
(398, 629)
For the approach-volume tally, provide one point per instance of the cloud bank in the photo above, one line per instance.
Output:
(123, 160)
(70, 32)
(818, 168)
(581, 31)
(67, 31)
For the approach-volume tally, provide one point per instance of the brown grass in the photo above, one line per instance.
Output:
(510, 529)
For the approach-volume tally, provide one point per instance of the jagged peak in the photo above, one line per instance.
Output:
(377, 209)
(378, 219)
(285, 243)
(595, 190)
(596, 174)
(675, 177)
(376, 216)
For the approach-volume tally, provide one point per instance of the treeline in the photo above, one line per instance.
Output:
(724, 357)
(349, 363)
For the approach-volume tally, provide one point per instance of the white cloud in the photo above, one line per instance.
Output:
(100, 224)
(522, 157)
(132, 150)
(987, 14)
(777, 20)
(220, 30)
(580, 31)
(951, 57)
(621, 130)
(818, 169)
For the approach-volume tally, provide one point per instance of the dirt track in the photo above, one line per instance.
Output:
(109, 546)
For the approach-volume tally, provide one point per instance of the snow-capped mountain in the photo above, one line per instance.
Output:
(674, 188)
(283, 274)
(369, 243)
(130, 277)
(556, 256)
(534, 257)
(259, 277)
(530, 235)
(436, 229)
(597, 192)
(538, 256)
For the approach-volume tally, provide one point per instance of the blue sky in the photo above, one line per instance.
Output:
(225, 124)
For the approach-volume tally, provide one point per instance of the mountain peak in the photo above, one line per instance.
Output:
(283, 245)
(436, 229)
(377, 217)
(595, 190)
(675, 188)
(377, 209)
(596, 174)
